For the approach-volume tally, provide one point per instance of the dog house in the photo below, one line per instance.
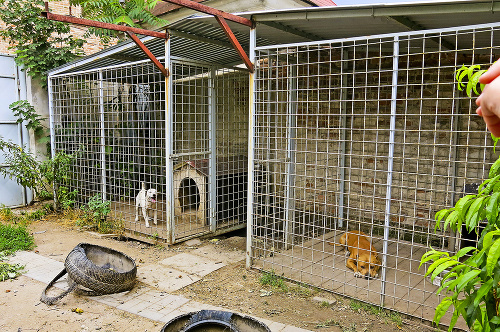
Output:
(340, 127)
(190, 181)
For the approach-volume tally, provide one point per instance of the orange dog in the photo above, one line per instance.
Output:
(363, 258)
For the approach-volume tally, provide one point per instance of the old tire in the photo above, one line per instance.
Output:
(101, 270)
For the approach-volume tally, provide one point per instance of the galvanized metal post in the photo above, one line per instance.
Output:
(343, 129)
(251, 147)
(103, 136)
(169, 146)
(291, 125)
(390, 164)
(52, 130)
(212, 159)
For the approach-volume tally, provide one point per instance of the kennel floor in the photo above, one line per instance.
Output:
(186, 226)
(320, 264)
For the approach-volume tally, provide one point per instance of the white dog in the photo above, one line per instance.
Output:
(146, 199)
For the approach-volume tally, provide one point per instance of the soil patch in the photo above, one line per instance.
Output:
(232, 287)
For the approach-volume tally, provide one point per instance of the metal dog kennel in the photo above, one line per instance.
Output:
(349, 131)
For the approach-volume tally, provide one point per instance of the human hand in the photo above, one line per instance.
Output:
(489, 100)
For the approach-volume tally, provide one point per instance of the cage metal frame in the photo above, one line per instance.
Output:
(263, 56)
(105, 82)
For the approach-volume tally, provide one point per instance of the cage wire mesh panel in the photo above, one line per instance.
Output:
(113, 120)
(210, 134)
(366, 134)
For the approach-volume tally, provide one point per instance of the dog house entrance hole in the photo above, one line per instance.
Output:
(189, 195)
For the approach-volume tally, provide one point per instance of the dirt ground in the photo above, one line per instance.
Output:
(232, 287)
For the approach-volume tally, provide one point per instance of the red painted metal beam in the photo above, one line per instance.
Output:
(234, 41)
(212, 11)
(102, 25)
(148, 53)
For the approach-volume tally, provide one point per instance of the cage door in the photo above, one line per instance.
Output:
(193, 158)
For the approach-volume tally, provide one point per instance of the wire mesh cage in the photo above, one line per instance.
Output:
(139, 138)
(366, 134)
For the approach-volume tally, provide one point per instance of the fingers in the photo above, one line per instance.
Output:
(492, 73)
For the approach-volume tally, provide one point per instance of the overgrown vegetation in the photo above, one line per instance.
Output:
(95, 216)
(43, 177)
(471, 277)
(39, 44)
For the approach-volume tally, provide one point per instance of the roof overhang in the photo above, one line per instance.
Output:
(200, 37)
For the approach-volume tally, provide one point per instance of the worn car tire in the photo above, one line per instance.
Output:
(95, 270)
(101, 270)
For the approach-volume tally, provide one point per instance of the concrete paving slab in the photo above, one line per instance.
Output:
(193, 264)
(165, 278)
(153, 303)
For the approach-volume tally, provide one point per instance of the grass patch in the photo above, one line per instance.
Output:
(14, 238)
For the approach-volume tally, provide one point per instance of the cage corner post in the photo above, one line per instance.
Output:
(390, 165)
(251, 147)
(103, 136)
(169, 117)
(51, 128)
(212, 134)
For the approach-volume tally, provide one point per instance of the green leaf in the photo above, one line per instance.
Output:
(441, 309)
(492, 207)
(465, 279)
(482, 291)
(436, 264)
(493, 256)
(442, 267)
(451, 219)
(463, 204)
(488, 238)
(462, 252)
(495, 169)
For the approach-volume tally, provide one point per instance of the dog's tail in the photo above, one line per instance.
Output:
(335, 245)
(143, 185)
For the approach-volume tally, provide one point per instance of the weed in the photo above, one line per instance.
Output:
(324, 304)
(6, 214)
(273, 280)
(328, 323)
(95, 216)
(302, 290)
(377, 311)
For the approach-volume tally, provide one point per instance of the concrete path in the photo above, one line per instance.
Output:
(153, 300)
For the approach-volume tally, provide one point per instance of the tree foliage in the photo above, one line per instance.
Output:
(39, 44)
(126, 12)
(471, 277)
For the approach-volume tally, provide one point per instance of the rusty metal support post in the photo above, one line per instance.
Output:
(212, 11)
(148, 53)
(234, 42)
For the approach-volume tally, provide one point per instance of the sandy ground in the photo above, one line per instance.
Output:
(232, 287)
